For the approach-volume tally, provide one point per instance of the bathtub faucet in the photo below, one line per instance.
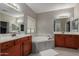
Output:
(49, 37)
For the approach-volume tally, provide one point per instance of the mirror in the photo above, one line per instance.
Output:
(75, 24)
(62, 25)
(14, 27)
(66, 25)
(11, 18)
(57, 26)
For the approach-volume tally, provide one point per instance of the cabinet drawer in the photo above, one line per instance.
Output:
(25, 39)
(18, 41)
(7, 45)
(30, 37)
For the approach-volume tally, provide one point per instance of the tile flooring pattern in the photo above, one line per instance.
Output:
(62, 52)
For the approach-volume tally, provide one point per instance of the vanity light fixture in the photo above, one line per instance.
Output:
(13, 5)
(64, 15)
(19, 21)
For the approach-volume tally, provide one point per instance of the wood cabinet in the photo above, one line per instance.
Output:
(59, 40)
(14, 51)
(68, 41)
(27, 49)
(17, 47)
(27, 46)
(77, 40)
(5, 46)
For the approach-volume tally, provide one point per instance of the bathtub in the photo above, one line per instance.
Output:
(42, 42)
(40, 39)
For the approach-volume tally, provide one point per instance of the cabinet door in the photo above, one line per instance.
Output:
(70, 41)
(0, 48)
(14, 51)
(19, 43)
(27, 48)
(7, 45)
(77, 41)
(59, 40)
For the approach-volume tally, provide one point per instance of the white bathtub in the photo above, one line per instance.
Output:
(40, 39)
(42, 42)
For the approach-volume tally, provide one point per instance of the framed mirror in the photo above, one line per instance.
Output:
(57, 26)
(75, 25)
(14, 27)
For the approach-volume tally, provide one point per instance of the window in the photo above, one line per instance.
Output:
(31, 25)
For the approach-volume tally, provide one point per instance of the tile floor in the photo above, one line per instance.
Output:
(62, 52)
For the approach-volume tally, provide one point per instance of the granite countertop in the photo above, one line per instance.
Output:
(67, 33)
(8, 38)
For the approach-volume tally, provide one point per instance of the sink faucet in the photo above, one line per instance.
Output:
(13, 34)
(63, 32)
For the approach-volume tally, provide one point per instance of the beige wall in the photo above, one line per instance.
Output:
(76, 11)
(45, 21)
(27, 11)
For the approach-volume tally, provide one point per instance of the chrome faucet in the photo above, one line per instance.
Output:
(49, 37)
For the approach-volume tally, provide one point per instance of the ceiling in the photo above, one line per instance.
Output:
(45, 7)
(4, 8)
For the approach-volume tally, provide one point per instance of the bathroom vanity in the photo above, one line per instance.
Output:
(66, 33)
(20, 45)
(68, 40)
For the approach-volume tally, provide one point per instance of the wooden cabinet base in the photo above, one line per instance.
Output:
(15, 51)
(19, 47)
(67, 41)
(59, 40)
